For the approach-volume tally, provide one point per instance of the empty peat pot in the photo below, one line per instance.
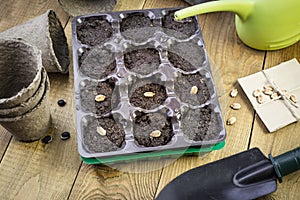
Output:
(21, 80)
(30, 103)
(34, 124)
(20, 72)
(47, 34)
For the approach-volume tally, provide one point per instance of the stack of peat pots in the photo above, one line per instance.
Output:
(24, 90)
(27, 52)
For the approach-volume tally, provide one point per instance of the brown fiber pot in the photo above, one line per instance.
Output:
(20, 72)
(34, 124)
(47, 34)
(29, 104)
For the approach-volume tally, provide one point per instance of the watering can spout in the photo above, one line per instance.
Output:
(241, 7)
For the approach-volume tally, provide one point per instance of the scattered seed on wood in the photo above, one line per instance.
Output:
(61, 102)
(234, 93)
(47, 139)
(256, 93)
(155, 134)
(149, 94)
(231, 121)
(235, 106)
(101, 131)
(293, 98)
(100, 97)
(194, 90)
(65, 135)
(260, 99)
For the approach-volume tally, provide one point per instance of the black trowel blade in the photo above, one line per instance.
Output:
(225, 179)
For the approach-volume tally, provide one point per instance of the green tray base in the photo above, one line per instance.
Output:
(153, 155)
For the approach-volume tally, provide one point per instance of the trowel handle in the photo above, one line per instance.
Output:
(286, 163)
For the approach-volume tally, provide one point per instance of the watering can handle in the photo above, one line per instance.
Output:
(286, 163)
(241, 8)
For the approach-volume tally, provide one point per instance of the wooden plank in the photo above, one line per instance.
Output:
(136, 180)
(35, 170)
(129, 5)
(282, 140)
(5, 137)
(14, 12)
(230, 60)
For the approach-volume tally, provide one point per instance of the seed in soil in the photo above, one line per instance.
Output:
(47, 139)
(152, 129)
(101, 131)
(65, 135)
(234, 93)
(231, 121)
(100, 97)
(155, 134)
(183, 84)
(235, 106)
(194, 90)
(61, 102)
(256, 93)
(138, 99)
(149, 94)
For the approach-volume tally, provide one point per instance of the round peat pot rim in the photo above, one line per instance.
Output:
(43, 99)
(61, 50)
(26, 92)
(29, 104)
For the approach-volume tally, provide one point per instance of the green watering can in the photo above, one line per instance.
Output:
(260, 24)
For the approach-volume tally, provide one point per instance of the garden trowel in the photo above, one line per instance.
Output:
(247, 175)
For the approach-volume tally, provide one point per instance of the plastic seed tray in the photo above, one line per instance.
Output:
(143, 87)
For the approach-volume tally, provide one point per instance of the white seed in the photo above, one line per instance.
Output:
(194, 90)
(231, 121)
(275, 96)
(268, 91)
(268, 87)
(235, 106)
(256, 93)
(293, 98)
(155, 134)
(260, 99)
(234, 93)
(100, 97)
(149, 94)
(101, 131)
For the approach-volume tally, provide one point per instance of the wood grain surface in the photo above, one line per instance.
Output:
(55, 171)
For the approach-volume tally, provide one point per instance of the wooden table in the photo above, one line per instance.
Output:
(55, 171)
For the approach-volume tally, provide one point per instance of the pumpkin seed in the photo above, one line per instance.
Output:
(100, 97)
(234, 92)
(268, 91)
(260, 99)
(293, 98)
(101, 131)
(155, 134)
(256, 93)
(194, 90)
(231, 121)
(149, 94)
(235, 106)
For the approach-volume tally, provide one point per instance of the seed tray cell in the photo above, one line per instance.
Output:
(154, 77)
